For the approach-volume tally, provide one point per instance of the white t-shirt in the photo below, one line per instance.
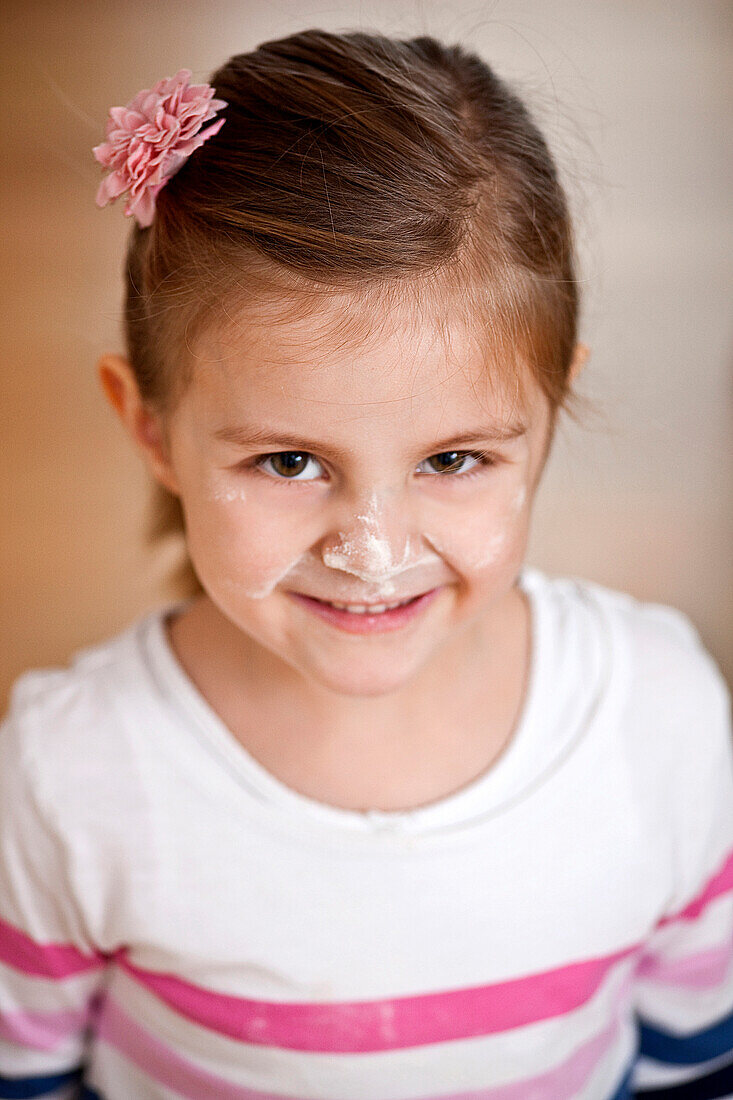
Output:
(177, 922)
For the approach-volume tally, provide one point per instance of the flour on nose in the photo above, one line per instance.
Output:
(377, 551)
(368, 555)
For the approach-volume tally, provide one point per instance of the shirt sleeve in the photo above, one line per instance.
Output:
(684, 987)
(50, 974)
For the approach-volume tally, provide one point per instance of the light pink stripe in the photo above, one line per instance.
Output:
(42, 1030)
(719, 884)
(392, 1024)
(167, 1067)
(703, 970)
(50, 960)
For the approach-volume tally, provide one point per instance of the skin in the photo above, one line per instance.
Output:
(368, 518)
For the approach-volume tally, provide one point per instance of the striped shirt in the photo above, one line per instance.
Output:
(177, 922)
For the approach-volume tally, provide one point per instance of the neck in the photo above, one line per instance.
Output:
(402, 749)
(221, 659)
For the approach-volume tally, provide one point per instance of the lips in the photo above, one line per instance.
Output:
(375, 618)
(368, 608)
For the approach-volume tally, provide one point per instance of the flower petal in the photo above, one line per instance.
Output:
(150, 138)
(143, 207)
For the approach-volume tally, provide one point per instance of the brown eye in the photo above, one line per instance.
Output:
(463, 463)
(448, 462)
(290, 465)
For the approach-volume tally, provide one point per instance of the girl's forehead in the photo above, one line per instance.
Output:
(353, 349)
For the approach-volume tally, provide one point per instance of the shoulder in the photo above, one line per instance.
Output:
(671, 704)
(667, 667)
(67, 728)
(668, 702)
(75, 810)
(667, 738)
(658, 657)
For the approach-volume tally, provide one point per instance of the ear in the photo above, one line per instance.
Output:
(580, 358)
(144, 426)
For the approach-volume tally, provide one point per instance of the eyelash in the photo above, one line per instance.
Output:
(484, 460)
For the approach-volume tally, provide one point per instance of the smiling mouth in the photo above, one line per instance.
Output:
(368, 608)
(368, 618)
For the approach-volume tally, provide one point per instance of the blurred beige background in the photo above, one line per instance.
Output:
(636, 99)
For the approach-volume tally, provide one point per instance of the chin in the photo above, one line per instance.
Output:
(356, 679)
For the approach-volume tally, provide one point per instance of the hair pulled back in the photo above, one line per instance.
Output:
(356, 161)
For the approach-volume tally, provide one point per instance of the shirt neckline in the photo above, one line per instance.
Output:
(503, 780)
(520, 762)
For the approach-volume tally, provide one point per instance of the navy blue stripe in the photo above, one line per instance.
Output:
(22, 1088)
(623, 1092)
(89, 1094)
(713, 1086)
(685, 1050)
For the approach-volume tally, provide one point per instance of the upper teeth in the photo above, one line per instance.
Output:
(363, 609)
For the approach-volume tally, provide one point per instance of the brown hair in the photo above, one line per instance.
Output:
(356, 161)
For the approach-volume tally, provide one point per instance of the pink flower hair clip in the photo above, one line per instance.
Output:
(150, 138)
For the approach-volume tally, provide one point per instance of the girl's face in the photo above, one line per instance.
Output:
(315, 473)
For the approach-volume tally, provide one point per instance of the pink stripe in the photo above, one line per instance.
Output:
(719, 884)
(164, 1065)
(50, 960)
(42, 1030)
(188, 1080)
(393, 1024)
(703, 970)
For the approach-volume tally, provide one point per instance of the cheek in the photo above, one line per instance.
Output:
(488, 536)
(238, 547)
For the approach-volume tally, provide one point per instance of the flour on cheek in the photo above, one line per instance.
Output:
(480, 541)
(259, 583)
(230, 495)
(257, 567)
(239, 549)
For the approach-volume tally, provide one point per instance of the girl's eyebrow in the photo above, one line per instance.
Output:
(254, 436)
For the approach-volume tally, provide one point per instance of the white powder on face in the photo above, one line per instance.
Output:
(371, 546)
(341, 559)
(265, 589)
(273, 578)
(230, 495)
(267, 583)
(492, 549)
(369, 556)
(466, 557)
(477, 549)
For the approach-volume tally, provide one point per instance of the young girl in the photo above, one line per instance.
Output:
(377, 812)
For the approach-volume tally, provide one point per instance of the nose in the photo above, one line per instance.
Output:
(373, 540)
